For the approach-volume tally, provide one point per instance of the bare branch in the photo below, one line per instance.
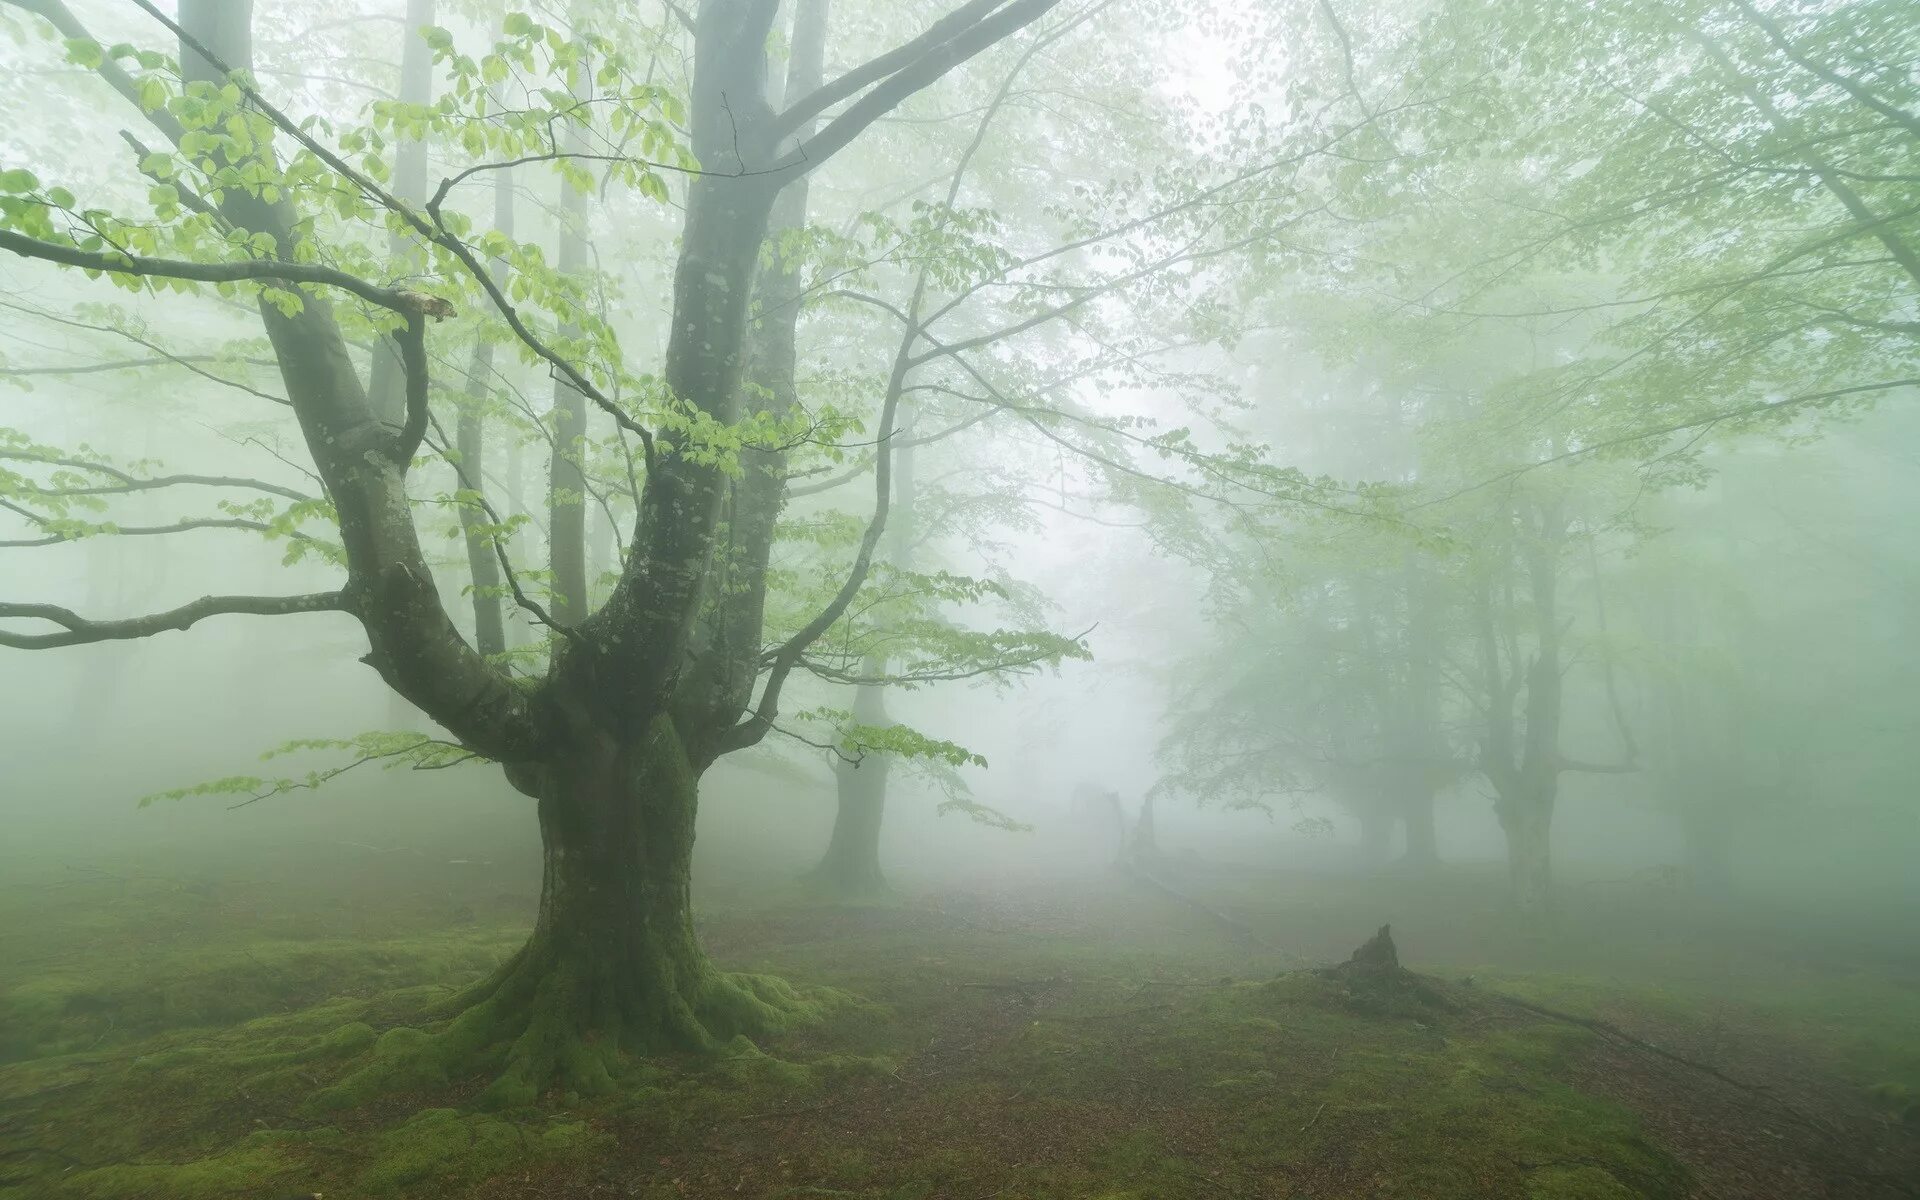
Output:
(874, 70)
(78, 630)
(921, 72)
(183, 526)
(124, 482)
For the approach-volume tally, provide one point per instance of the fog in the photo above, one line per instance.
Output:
(1032, 598)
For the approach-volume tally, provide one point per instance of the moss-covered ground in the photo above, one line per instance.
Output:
(167, 1037)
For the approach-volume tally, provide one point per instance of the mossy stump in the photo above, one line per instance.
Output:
(1374, 983)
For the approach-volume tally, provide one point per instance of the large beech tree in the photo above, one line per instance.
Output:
(670, 673)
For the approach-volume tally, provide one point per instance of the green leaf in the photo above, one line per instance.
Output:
(85, 52)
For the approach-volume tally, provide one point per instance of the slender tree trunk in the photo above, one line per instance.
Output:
(386, 380)
(386, 384)
(489, 625)
(851, 866)
(566, 478)
(483, 564)
(852, 862)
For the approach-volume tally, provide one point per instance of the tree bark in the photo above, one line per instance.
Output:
(483, 564)
(566, 476)
(851, 866)
(489, 625)
(1529, 829)
(613, 966)
(386, 383)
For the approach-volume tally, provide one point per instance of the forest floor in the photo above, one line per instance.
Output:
(160, 1034)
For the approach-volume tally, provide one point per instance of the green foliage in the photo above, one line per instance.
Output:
(855, 741)
(391, 749)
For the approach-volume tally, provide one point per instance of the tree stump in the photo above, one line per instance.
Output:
(1376, 984)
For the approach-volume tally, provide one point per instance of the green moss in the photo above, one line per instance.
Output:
(76, 1008)
(1097, 1082)
(453, 1149)
(1576, 1183)
(263, 1162)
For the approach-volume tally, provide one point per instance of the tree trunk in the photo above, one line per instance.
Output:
(489, 627)
(1145, 848)
(1423, 845)
(1376, 835)
(1529, 830)
(851, 867)
(386, 383)
(613, 967)
(566, 476)
(489, 624)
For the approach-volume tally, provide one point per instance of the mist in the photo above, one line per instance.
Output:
(1022, 598)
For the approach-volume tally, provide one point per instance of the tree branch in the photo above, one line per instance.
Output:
(61, 18)
(125, 482)
(251, 270)
(78, 630)
(919, 73)
(853, 82)
(183, 526)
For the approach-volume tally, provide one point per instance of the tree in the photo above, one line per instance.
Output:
(612, 739)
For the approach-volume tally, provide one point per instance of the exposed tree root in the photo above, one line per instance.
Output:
(551, 1026)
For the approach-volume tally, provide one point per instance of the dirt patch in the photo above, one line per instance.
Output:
(1799, 1133)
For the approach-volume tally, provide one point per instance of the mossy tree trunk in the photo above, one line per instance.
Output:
(613, 965)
